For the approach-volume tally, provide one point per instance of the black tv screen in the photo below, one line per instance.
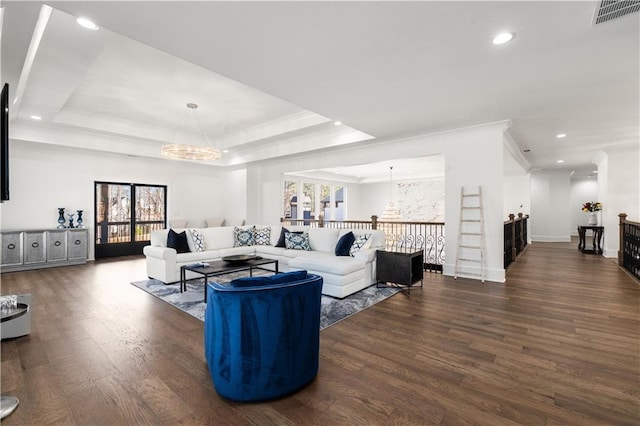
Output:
(4, 144)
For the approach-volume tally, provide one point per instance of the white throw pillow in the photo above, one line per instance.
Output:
(262, 236)
(362, 242)
(294, 241)
(198, 240)
(243, 237)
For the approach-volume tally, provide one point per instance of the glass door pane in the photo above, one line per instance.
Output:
(149, 210)
(113, 213)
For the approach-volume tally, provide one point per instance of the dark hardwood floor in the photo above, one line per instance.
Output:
(558, 344)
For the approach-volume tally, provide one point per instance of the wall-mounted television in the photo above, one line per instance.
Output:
(4, 143)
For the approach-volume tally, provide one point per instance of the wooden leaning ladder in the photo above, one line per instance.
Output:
(471, 245)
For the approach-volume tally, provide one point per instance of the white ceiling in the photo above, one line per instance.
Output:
(271, 77)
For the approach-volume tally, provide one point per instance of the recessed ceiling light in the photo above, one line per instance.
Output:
(560, 161)
(225, 150)
(561, 135)
(595, 172)
(337, 123)
(90, 25)
(36, 117)
(502, 38)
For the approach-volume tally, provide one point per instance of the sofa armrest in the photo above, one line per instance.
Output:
(366, 255)
(166, 253)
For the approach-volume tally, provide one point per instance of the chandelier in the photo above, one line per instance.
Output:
(390, 212)
(189, 151)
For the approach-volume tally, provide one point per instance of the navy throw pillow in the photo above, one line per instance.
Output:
(250, 281)
(344, 244)
(178, 241)
(280, 242)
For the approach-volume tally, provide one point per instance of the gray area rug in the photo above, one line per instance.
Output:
(332, 309)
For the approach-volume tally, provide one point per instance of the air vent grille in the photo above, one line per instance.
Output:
(609, 10)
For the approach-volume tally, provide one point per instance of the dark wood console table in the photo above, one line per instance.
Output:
(598, 231)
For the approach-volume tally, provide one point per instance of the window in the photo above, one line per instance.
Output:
(317, 198)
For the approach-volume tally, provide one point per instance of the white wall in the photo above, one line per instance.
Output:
(618, 190)
(517, 195)
(419, 200)
(550, 206)
(45, 177)
(461, 149)
(231, 195)
(582, 190)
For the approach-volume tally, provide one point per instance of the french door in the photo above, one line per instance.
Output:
(125, 215)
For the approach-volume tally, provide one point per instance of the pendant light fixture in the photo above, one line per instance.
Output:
(390, 213)
(191, 151)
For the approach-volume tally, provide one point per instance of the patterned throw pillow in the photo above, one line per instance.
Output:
(359, 244)
(198, 240)
(262, 236)
(243, 237)
(294, 241)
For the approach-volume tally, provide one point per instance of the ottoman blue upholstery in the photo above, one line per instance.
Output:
(262, 342)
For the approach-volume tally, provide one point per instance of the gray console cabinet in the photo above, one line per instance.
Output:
(47, 248)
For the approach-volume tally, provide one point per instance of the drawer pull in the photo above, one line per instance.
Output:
(35, 245)
(11, 246)
(77, 242)
(57, 243)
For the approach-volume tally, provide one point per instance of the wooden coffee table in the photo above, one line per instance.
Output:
(220, 267)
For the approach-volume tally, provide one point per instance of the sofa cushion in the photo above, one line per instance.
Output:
(344, 244)
(178, 241)
(178, 223)
(262, 236)
(362, 242)
(323, 239)
(243, 236)
(327, 262)
(295, 241)
(197, 241)
(214, 222)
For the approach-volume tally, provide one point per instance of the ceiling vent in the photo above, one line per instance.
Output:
(610, 10)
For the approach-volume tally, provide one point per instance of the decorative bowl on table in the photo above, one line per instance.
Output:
(238, 258)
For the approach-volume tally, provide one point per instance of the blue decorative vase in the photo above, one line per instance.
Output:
(70, 215)
(61, 218)
(79, 221)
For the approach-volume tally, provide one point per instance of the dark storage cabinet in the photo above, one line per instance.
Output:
(399, 268)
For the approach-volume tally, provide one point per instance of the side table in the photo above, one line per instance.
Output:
(400, 269)
(598, 231)
(15, 317)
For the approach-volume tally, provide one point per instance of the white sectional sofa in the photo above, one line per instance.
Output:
(343, 275)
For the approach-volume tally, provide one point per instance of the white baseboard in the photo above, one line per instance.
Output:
(473, 272)
(551, 238)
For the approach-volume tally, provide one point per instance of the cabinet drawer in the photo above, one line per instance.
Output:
(11, 249)
(56, 246)
(34, 249)
(78, 244)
